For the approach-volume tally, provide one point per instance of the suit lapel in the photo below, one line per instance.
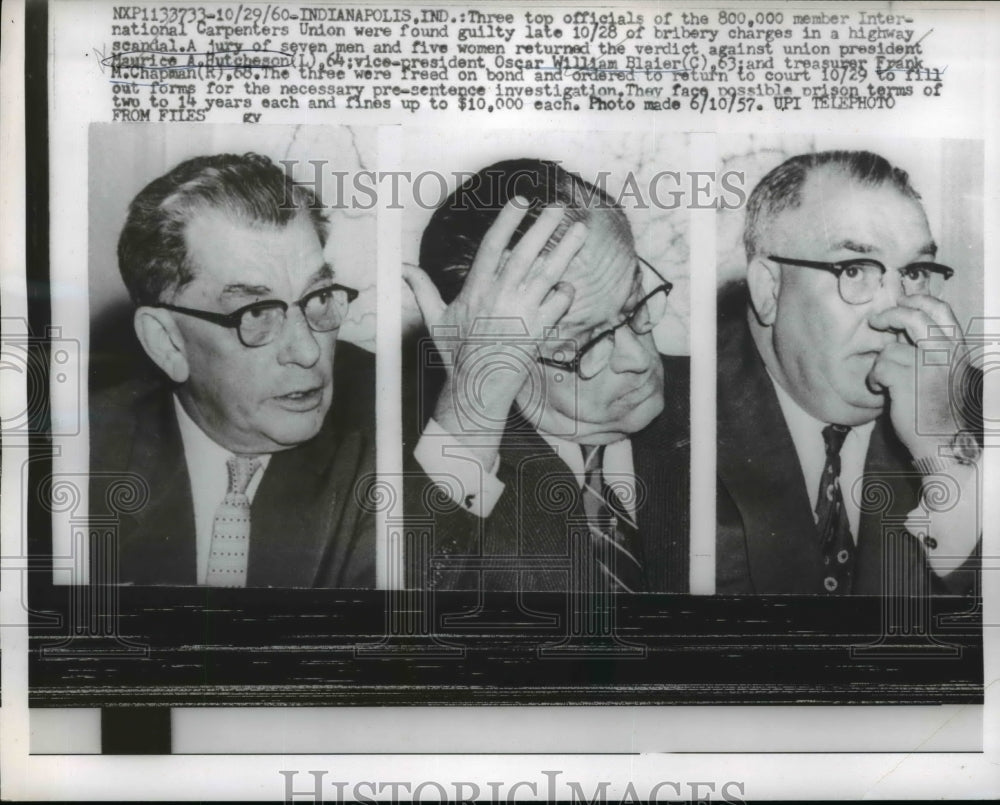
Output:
(891, 489)
(548, 494)
(301, 536)
(306, 495)
(651, 457)
(158, 542)
(289, 524)
(759, 467)
(661, 458)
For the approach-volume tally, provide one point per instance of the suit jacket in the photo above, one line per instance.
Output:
(767, 541)
(308, 528)
(541, 502)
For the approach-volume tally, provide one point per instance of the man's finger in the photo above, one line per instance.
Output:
(937, 310)
(893, 366)
(884, 376)
(546, 272)
(426, 293)
(555, 305)
(912, 321)
(901, 354)
(489, 256)
(531, 245)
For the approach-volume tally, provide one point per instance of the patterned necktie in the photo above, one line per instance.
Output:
(611, 527)
(227, 559)
(836, 541)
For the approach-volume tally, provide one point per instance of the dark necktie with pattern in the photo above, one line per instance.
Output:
(227, 558)
(611, 527)
(836, 542)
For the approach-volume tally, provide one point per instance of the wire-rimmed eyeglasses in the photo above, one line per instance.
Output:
(591, 358)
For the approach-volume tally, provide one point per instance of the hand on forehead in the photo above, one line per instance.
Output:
(603, 273)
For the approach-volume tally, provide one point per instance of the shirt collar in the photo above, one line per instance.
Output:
(810, 449)
(803, 426)
(199, 446)
(617, 454)
(197, 443)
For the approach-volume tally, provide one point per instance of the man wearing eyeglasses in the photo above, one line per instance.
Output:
(553, 413)
(825, 435)
(252, 443)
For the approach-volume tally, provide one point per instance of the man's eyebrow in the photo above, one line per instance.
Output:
(928, 249)
(242, 289)
(853, 246)
(324, 272)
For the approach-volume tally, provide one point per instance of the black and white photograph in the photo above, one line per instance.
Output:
(546, 388)
(486, 402)
(232, 380)
(850, 417)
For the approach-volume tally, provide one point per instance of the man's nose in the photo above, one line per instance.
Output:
(298, 342)
(890, 292)
(629, 355)
(886, 297)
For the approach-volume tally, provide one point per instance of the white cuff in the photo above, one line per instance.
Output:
(453, 467)
(947, 520)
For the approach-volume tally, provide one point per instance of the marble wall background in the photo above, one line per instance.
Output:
(661, 234)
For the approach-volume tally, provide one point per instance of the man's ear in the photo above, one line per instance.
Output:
(763, 283)
(157, 332)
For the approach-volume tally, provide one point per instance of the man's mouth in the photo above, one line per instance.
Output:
(301, 399)
(639, 394)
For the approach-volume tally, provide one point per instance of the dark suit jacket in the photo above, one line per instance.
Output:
(541, 503)
(308, 529)
(767, 539)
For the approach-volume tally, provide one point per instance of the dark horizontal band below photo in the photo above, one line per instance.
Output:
(176, 647)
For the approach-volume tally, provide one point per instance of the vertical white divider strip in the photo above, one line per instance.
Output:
(702, 157)
(389, 455)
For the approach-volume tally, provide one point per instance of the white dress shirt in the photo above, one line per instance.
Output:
(807, 436)
(209, 476)
(477, 489)
(954, 527)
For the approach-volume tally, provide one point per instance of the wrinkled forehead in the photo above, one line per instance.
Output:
(837, 209)
(222, 247)
(604, 273)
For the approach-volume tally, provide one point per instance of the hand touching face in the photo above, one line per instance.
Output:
(823, 349)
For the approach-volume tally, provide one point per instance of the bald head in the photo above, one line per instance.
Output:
(607, 280)
(456, 229)
(782, 188)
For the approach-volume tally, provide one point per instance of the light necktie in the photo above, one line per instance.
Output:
(836, 542)
(227, 558)
(611, 527)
